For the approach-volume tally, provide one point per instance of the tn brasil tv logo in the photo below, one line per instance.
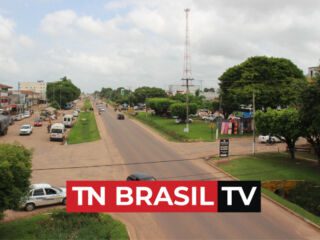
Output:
(163, 196)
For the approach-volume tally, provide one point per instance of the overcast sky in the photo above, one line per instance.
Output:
(134, 43)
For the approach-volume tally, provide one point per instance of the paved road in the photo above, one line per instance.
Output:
(157, 158)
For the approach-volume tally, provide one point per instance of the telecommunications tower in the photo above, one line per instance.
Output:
(187, 73)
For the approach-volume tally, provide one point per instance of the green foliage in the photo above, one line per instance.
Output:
(310, 115)
(142, 93)
(85, 129)
(180, 110)
(276, 82)
(284, 124)
(15, 171)
(62, 225)
(306, 195)
(159, 105)
(199, 131)
(122, 95)
(62, 91)
(275, 166)
(192, 98)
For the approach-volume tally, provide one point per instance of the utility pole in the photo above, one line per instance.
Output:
(253, 123)
(187, 73)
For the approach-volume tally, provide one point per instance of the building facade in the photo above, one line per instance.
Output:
(4, 96)
(39, 87)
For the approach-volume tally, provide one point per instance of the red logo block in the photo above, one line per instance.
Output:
(142, 196)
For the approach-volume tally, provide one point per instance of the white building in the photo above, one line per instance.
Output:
(38, 87)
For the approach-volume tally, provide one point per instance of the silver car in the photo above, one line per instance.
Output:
(44, 194)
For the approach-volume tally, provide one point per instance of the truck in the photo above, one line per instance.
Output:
(4, 124)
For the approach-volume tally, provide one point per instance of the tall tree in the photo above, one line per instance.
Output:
(15, 172)
(284, 124)
(142, 93)
(62, 92)
(310, 115)
(276, 82)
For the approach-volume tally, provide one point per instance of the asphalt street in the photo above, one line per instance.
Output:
(144, 153)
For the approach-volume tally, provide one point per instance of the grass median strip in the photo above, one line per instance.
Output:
(85, 129)
(62, 225)
(199, 130)
(274, 166)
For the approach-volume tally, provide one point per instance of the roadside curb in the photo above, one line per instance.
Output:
(212, 164)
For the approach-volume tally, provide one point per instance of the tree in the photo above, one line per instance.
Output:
(159, 105)
(62, 92)
(277, 82)
(310, 115)
(180, 110)
(284, 124)
(15, 171)
(142, 93)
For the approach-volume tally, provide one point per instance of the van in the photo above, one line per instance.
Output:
(68, 120)
(57, 132)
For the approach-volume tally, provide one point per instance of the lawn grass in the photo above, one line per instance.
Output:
(275, 166)
(271, 166)
(86, 105)
(85, 129)
(198, 130)
(61, 225)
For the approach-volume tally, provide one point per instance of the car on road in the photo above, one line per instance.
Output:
(37, 122)
(43, 194)
(57, 132)
(120, 116)
(268, 139)
(140, 177)
(26, 129)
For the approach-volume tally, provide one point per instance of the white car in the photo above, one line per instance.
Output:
(26, 129)
(268, 139)
(75, 114)
(43, 194)
(26, 114)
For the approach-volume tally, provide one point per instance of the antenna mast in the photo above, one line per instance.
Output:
(187, 73)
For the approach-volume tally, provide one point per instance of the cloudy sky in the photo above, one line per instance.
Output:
(132, 43)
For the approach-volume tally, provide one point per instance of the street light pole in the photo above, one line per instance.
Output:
(253, 123)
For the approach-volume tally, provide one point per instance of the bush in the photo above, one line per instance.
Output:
(307, 196)
(160, 105)
(80, 226)
(180, 110)
(15, 171)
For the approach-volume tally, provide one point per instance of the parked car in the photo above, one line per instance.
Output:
(120, 116)
(37, 122)
(68, 120)
(57, 132)
(26, 129)
(268, 139)
(26, 114)
(43, 194)
(18, 117)
(140, 177)
(75, 113)
(178, 120)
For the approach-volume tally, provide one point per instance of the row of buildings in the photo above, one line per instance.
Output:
(27, 95)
